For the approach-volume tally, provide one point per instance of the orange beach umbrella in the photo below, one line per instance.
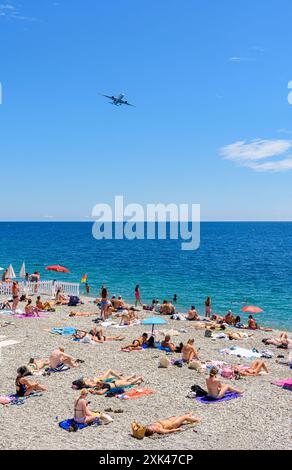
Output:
(58, 269)
(252, 309)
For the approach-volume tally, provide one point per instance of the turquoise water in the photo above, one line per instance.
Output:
(236, 262)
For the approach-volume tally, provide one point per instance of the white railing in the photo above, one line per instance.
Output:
(67, 288)
(40, 288)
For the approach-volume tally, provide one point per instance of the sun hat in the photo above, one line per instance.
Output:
(138, 430)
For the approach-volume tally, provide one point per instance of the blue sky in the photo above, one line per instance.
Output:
(212, 123)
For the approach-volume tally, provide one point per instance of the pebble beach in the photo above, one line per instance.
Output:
(260, 419)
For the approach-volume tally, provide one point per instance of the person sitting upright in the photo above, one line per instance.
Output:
(192, 314)
(58, 359)
(189, 352)
(82, 414)
(23, 386)
(166, 343)
(215, 388)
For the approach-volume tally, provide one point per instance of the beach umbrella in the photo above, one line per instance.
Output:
(10, 272)
(58, 269)
(153, 321)
(22, 271)
(252, 309)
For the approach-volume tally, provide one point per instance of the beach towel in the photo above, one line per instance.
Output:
(241, 352)
(228, 396)
(39, 315)
(64, 331)
(67, 423)
(135, 393)
(61, 368)
(286, 384)
(16, 400)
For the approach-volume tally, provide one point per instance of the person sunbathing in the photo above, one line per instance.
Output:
(166, 426)
(166, 343)
(23, 386)
(192, 315)
(238, 335)
(282, 341)
(82, 413)
(254, 369)
(229, 318)
(81, 314)
(215, 388)
(60, 299)
(102, 386)
(35, 365)
(252, 325)
(167, 308)
(137, 343)
(98, 336)
(189, 352)
(47, 306)
(30, 310)
(58, 359)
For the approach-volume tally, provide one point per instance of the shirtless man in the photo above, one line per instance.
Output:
(166, 426)
(59, 358)
(215, 388)
(166, 343)
(192, 314)
(189, 352)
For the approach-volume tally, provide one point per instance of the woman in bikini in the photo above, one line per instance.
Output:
(215, 388)
(137, 343)
(102, 386)
(15, 295)
(23, 386)
(137, 296)
(82, 414)
(30, 310)
(189, 352)
(166, 426)
(208, 307)
(255, 368)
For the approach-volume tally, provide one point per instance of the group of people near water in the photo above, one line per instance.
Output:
(112, 380)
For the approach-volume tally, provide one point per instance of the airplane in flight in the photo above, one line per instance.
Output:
(118, 100)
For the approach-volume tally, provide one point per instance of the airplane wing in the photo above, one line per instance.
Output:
(107, 96)
(129, 104)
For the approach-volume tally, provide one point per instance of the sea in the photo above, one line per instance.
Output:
(237, 264)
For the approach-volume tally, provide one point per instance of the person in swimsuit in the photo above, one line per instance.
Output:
(282, 341)
(98, 336)
(189, 352)
(192, 314)
(255, 368)
(137, 343)
(215, 388)
(101, 386)
(104, 302)
(238, 335)
(137, 296)
(30, 310)
(166, 426)
(58, 359)
(23, 386)
(60, 299)
(208, 307)
(82, 414)
(166, 343)
(15, 295)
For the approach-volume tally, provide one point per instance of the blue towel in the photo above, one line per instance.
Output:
(68, 422)
(61, 368)
(228, 396)
(163, 348)
(64, 331)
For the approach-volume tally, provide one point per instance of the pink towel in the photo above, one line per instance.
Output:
(283, 383)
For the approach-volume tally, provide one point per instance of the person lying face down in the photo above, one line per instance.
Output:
(166, 426)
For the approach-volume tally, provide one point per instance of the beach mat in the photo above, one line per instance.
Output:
(136, 393)
(67, 423)
(64, 331)
(58, 369)
(16, 400)
(286, 384)
(228, 396)
(241, 352)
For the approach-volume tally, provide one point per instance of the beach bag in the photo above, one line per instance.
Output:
(164, 362)
(199, 391)
(196, 365)
(138, 430)
(208, 333)
(73, 301)
(227, 373)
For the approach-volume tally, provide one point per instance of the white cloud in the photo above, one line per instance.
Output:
(9, 11)
(251, 155)
(238, 59)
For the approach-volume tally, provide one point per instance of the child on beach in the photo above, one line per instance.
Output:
(215, 388)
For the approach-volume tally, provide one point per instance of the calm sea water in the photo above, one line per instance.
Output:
(236, 263)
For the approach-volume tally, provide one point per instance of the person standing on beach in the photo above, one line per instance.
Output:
(4, 275)
(15, 295)
(208, 307)
(104, 302)
(137, 296)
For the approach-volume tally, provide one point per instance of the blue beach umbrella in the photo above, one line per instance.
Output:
(153, 321)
